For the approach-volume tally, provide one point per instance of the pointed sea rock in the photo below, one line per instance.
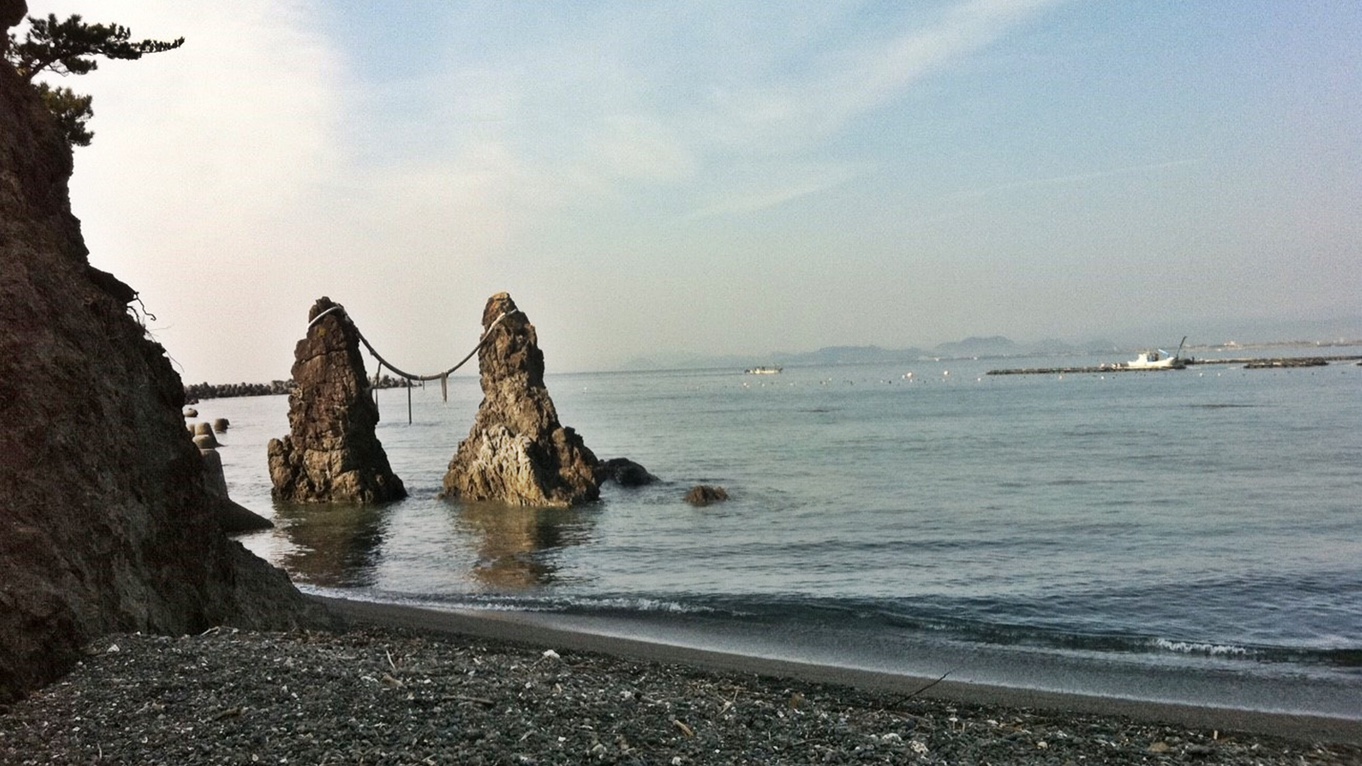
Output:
(331, 454)
(517, 452)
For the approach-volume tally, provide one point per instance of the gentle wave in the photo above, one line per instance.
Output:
(1168, 520)
(1198, 647)
(510, 603)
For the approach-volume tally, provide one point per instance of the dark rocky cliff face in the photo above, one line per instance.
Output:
(105, 523)
(517, 452)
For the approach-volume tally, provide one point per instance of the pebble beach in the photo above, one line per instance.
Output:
(371, 693)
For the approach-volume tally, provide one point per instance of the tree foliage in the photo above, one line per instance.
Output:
(71, 46)
(74, 47)
(71, 110)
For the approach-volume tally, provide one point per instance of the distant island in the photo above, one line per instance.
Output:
(972, 347)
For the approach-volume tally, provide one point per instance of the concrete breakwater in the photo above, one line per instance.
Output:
(1247, 362)
(196, 392)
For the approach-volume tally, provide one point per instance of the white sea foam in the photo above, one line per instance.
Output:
(1198, 647)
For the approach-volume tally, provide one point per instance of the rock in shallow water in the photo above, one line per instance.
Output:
(624, 472)
(331, 454)
(703, 494)
(234, 517)
(517, 452)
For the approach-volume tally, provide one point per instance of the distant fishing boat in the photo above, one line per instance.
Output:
(1158, 359)
(764, 370)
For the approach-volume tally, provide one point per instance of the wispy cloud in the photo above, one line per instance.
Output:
(796, 182)
(792, 116)
(1074, 178)
(848, 82)
(596, 113)
(635, 147)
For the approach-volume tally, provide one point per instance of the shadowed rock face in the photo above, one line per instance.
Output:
(331, 454)
(105, 520)
(517, 452)
(11, 13)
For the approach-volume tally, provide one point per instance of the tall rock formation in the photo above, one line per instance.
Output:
(105, 521)
(331, 454)
(517, 452)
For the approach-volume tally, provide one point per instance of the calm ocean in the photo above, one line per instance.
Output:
(1190, 536)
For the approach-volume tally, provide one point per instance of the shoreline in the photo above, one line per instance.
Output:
(392, 684)
(513, 628)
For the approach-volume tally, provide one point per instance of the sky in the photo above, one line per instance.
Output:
(736, 178)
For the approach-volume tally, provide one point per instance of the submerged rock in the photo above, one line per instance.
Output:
(703, 494)
(331, 454)
(517, 452)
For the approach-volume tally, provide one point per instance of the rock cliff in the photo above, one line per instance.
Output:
(105, 521)
(331, 453)
(517, 452)
(11, 13)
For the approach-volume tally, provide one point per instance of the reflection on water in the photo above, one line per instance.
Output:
(519, 545)
(344, 546)
(333, 545)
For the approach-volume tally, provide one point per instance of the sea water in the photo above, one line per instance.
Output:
(1189, 536)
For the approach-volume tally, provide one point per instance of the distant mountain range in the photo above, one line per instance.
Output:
(1205, 335)
(993, 346)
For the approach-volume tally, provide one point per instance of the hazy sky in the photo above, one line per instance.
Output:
(726, 177)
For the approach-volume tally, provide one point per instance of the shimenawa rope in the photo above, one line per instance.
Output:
(443, 377)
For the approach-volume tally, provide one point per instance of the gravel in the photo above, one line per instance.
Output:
(393, 696)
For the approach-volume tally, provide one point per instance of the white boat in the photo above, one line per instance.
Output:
(1158, 359)
(764, 370)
